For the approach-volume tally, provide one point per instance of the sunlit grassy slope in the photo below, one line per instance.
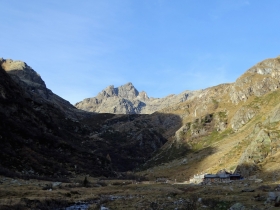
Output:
(222, 131)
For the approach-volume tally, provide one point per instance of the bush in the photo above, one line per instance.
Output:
(86, 183)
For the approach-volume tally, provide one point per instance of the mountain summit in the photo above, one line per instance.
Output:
(126, 99)
(34, 86)
(127, 91)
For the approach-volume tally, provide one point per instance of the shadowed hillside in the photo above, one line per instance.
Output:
(41, 138)
(38, 139)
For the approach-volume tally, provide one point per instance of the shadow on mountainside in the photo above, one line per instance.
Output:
(39, 140)
(190, 150)
(128, 141)
(179, 163)
(131, 141)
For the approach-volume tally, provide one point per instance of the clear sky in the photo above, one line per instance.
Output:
(161, 46)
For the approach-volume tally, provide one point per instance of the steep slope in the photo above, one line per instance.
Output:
(41, 134)
(127, 100)
(232, 126)
(258, 80)
(36, 138)
(35, 87)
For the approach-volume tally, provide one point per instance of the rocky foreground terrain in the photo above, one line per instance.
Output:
(127, 194)
(229, 126)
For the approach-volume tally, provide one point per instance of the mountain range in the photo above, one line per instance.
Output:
(233, 126)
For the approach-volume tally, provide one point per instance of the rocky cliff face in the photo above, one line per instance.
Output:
(127, 100)
(258, 80)
(35, 87)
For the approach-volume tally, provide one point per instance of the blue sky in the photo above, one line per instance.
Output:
(161, 46)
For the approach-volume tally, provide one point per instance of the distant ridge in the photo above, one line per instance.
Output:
(126, 99)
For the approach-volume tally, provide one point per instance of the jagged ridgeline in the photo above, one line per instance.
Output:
(127, 100)
(230, 126)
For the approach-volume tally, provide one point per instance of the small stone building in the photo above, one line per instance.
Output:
(211, 178)
(221, 177)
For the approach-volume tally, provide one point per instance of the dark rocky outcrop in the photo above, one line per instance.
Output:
(37, 139)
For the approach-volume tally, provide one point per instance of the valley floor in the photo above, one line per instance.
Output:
(128, 194)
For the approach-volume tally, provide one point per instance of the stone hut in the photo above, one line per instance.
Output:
(221, 177)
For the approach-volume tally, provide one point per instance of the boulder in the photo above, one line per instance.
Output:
(272, 196)
(237, 206)
(56, 184)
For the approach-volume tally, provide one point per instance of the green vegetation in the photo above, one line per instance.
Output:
(210, 139)
(222, 115)
(215, 103)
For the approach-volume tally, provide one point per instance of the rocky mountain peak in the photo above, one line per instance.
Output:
(127, 91)
(266, 67)
(33, 84)
(127, 100)
(109, 91)
(24, 72)
(143, 96)
(258, 80)
(13, 65)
